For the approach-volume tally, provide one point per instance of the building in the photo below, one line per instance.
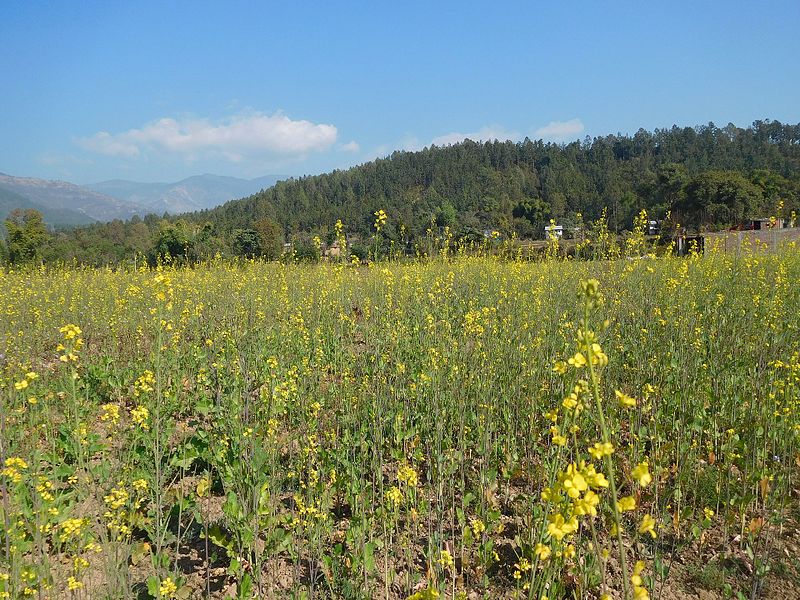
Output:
(553, 231)
(765, 223)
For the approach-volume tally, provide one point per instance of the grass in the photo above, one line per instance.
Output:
(394, 431)
(710, 577)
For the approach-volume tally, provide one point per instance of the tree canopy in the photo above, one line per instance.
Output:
(27, 236)
(711, 177)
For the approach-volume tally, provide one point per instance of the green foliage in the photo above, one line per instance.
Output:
(185, 242)
(246, 243)
(173, 242)
(394, 427)
(270, 238)
(27, 235)
(671, 178)
(719, 198)
(306, 250)
(712, 176)
(446, 216)
(390, 430)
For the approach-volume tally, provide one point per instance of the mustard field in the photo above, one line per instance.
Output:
(464, 428)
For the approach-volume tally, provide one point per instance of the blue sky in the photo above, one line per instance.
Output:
(158, 91)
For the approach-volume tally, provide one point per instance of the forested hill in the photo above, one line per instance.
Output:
(521, 186)
(707, 176)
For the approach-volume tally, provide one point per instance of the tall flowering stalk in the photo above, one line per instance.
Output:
(575, 493)
(587, 340)
(380, 223)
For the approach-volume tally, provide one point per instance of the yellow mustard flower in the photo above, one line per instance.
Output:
(625, 400)
(578, 361)
(586, 505)
(601, 449)
(648, 525)
(167, 588)
(642, 474)
(542, 551)
(446, 559)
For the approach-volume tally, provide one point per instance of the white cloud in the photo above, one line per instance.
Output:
(559, 130)
(236, 138)
(381, 151)
(105, 143)
(485, 134)
(351, 146)
(410, 143)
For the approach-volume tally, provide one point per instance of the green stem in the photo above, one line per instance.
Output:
(608, 462)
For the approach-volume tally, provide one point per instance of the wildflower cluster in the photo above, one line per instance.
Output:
(13, 468)
(341, 238)
(167, 588)
(23, 383)
(380, 220)
(163, 289)
(123, 508)
(71, 528)
(110, 413)
(307, 513)
(71, 343)
(581, 487)
(395, 428)
(144, 383)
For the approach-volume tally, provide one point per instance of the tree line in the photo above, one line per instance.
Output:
(702, 178)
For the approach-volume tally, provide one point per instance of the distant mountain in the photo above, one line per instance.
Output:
(194, 193)
(11, 200)
(61, 202)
